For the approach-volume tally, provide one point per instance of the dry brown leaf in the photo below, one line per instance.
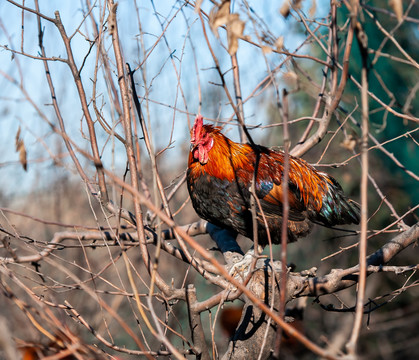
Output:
(219, 15)
(285, 9)
(20, 148)
(235, 28)
(266, 49)
(279, 43)
(397, 6)
(349, 143)
(291, 78)
(297, 4)
(288, 5)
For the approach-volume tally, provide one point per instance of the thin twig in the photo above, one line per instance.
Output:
(363, 45)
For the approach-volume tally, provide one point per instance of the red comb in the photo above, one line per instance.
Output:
(197, 127)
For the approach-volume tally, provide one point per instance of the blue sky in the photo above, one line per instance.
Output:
(162, 82)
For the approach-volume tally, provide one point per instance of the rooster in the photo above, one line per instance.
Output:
(219, 179)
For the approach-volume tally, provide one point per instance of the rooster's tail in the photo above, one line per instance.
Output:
(337, 209)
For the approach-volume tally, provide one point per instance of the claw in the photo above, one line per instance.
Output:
(242, 266)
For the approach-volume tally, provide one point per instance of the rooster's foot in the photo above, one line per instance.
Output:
(243, 266)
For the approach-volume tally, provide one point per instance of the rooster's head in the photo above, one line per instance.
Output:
(201, 141)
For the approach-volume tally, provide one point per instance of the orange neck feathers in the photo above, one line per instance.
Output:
(224, 158)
